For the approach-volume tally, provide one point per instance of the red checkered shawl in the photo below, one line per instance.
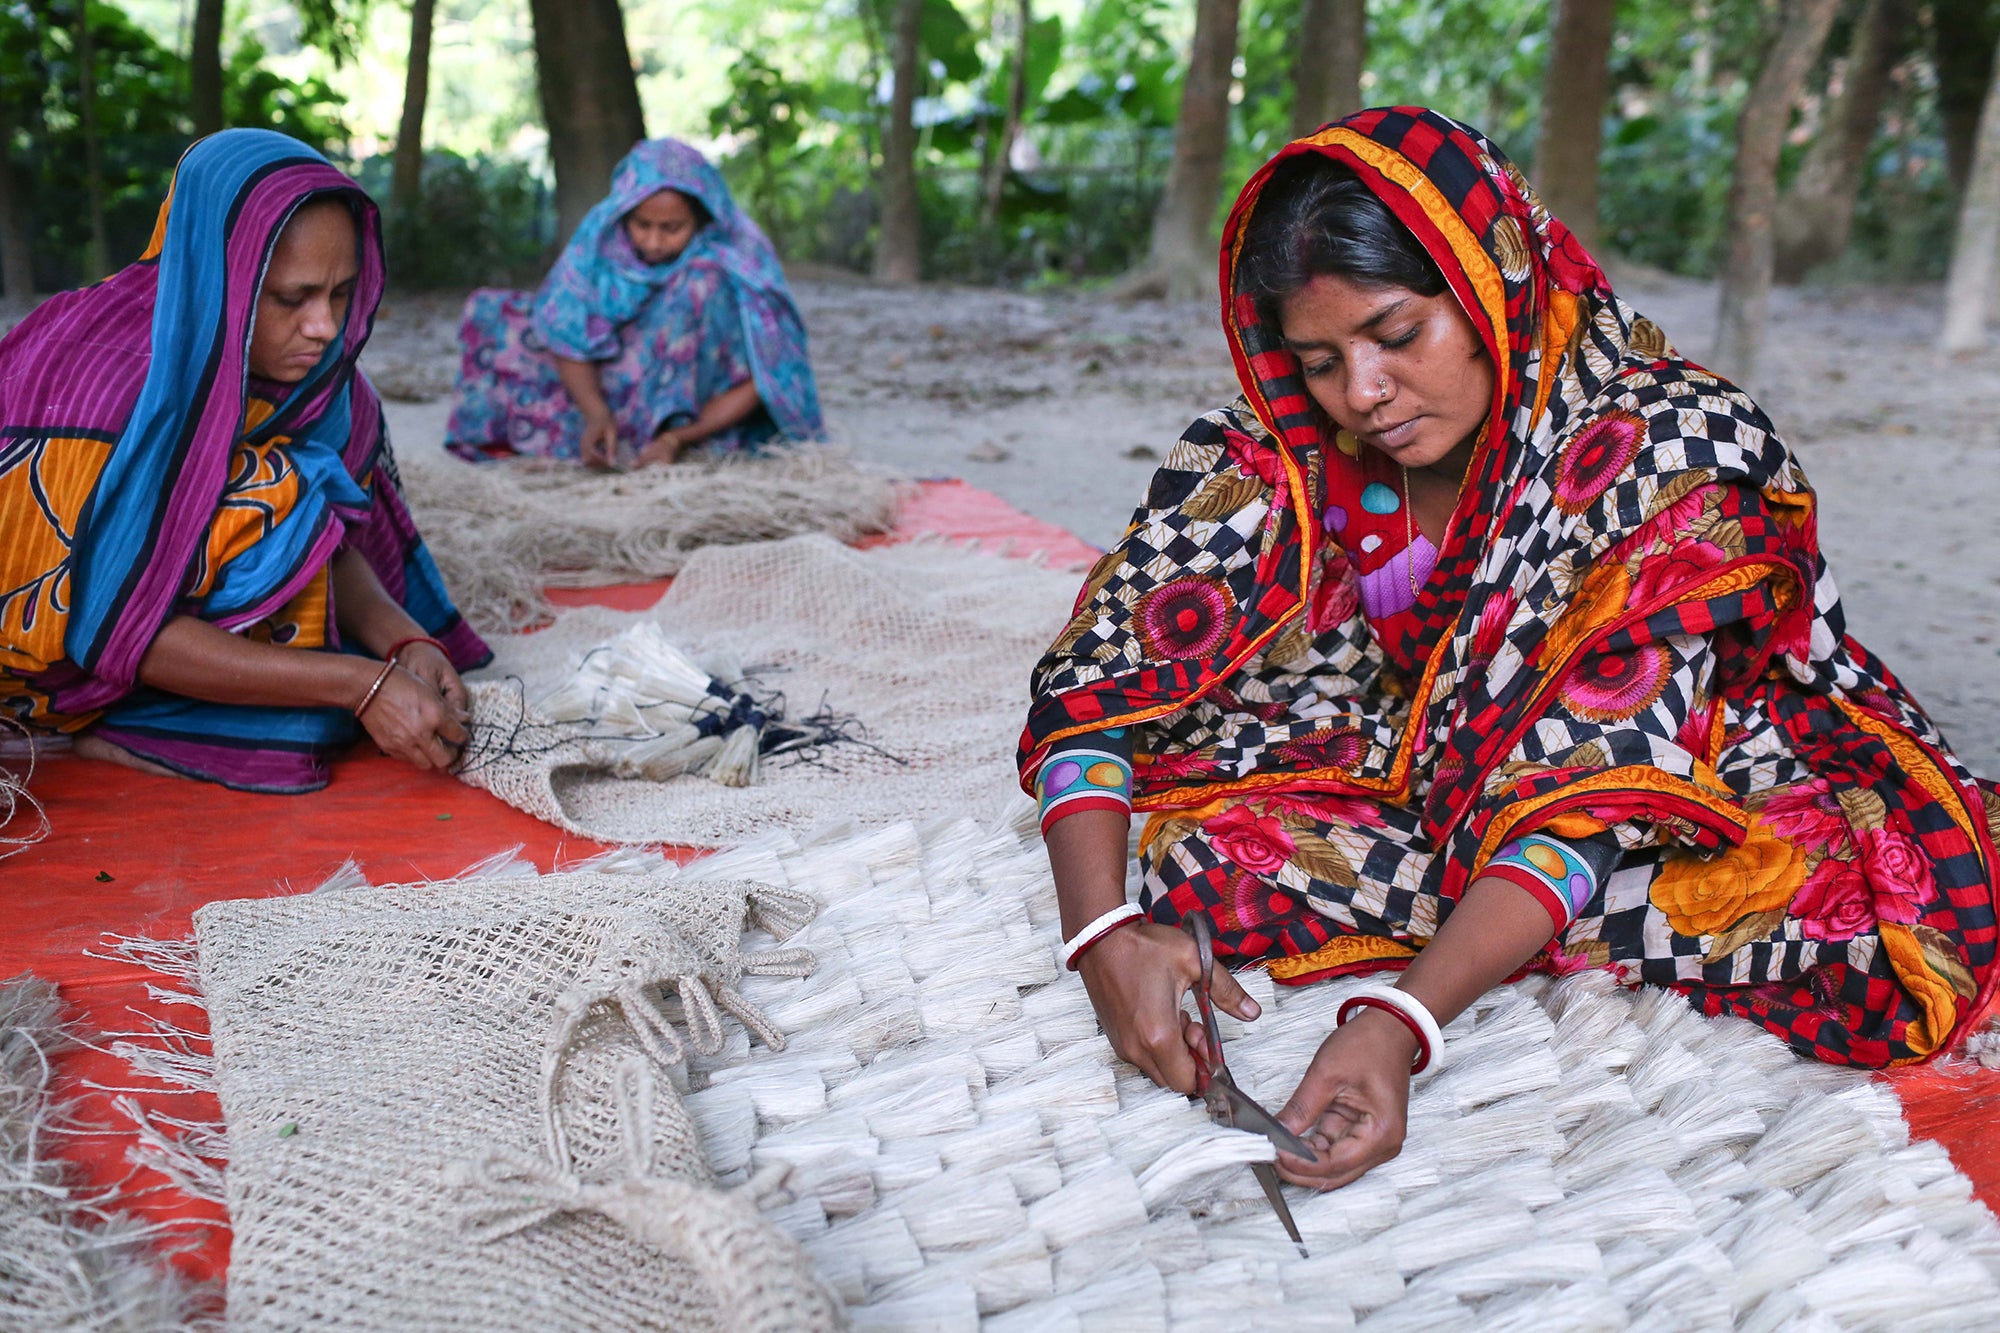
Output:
(1629, 625)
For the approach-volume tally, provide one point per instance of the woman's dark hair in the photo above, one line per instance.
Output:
(1314, 219)
(702, 217)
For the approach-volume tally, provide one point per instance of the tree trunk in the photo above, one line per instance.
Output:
(407, 183)
(1183, 251)
(1963, 34)
(1017, 106)
(1968, 287)
(97, 260)
(1326, 71)
(1753, 189)
(1818, 213)
(1573, 94)
(898, 250)
(205, 67)
(590, 99)
(17, 251)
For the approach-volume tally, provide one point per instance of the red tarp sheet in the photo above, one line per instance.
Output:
(136, 855)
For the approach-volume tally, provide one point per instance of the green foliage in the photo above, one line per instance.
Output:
(794, 95)
(479, 221)
(141, 112)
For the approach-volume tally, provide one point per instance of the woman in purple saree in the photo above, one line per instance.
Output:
(205, 564)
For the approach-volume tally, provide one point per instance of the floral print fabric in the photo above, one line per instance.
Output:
(668, 337)
(682, 350)
(1628, 630)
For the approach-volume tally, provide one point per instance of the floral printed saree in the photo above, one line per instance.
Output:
(1628, 632)
(144, 474)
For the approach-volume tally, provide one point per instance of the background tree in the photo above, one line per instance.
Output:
(407, 182)
(1017, 104)
(590, 99)
(1182, 259)
(205, 67)
(1332, 50)
(1753, 192)
(1817, 216)
(1968, 288)
(1572, 122)
(98, 260)
(1963, 34)
(898, 250)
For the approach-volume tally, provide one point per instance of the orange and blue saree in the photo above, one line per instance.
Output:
(1627, 634)
(145, 474)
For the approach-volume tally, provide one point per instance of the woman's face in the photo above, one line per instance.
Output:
(1406, 373)
(662, 225)
(305, 293)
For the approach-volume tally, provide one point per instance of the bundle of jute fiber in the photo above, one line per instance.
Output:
(503, 531)
(388, 1063)
(970, 1155)
(918, 648)
(67, 1259)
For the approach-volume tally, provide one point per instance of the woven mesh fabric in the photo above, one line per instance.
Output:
(923, 643)
(371, 1045)
(970, 1155)
(499, 531)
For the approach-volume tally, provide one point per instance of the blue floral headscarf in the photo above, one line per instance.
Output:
(601, 283)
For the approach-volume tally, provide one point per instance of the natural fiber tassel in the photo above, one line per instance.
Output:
(670, 717)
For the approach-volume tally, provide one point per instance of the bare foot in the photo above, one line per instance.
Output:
(96, 747)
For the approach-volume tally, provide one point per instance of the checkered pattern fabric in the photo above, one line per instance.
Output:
(1629, 628)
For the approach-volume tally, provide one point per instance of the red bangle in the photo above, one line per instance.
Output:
(1100, 937)
(1423, 1060)
(400, 644)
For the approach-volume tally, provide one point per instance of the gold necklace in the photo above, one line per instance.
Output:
(1409, 535)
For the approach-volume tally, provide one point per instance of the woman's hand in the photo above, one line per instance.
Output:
(410, 721)
(599, 445)
(1136, 978)
(1353, 1105)
(427, 662)
(664, 448)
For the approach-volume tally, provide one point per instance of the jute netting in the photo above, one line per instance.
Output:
(500, 532)
(926, 646)
(388, 1062)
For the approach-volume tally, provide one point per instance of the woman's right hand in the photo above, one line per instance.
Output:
(412, 722)
(1136, 978)
(599, 445)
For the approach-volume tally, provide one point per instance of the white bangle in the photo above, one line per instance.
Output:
(1407, 1006)
(1091, 933)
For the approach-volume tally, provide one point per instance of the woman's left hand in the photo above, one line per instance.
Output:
(663, 448)
(1353, 1104)
(429, 664)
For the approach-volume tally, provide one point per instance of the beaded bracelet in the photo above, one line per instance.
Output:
(1406, 1009)
(1080, 943)
(374, 689)
(399, 645)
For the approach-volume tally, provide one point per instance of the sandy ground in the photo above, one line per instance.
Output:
(1064, 404)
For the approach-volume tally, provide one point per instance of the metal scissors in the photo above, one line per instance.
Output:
(1228, 1104)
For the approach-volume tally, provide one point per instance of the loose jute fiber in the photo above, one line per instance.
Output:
(67, 1260)
(964, 1151)
(503, 531)
(919, 645)
(449, 1106)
